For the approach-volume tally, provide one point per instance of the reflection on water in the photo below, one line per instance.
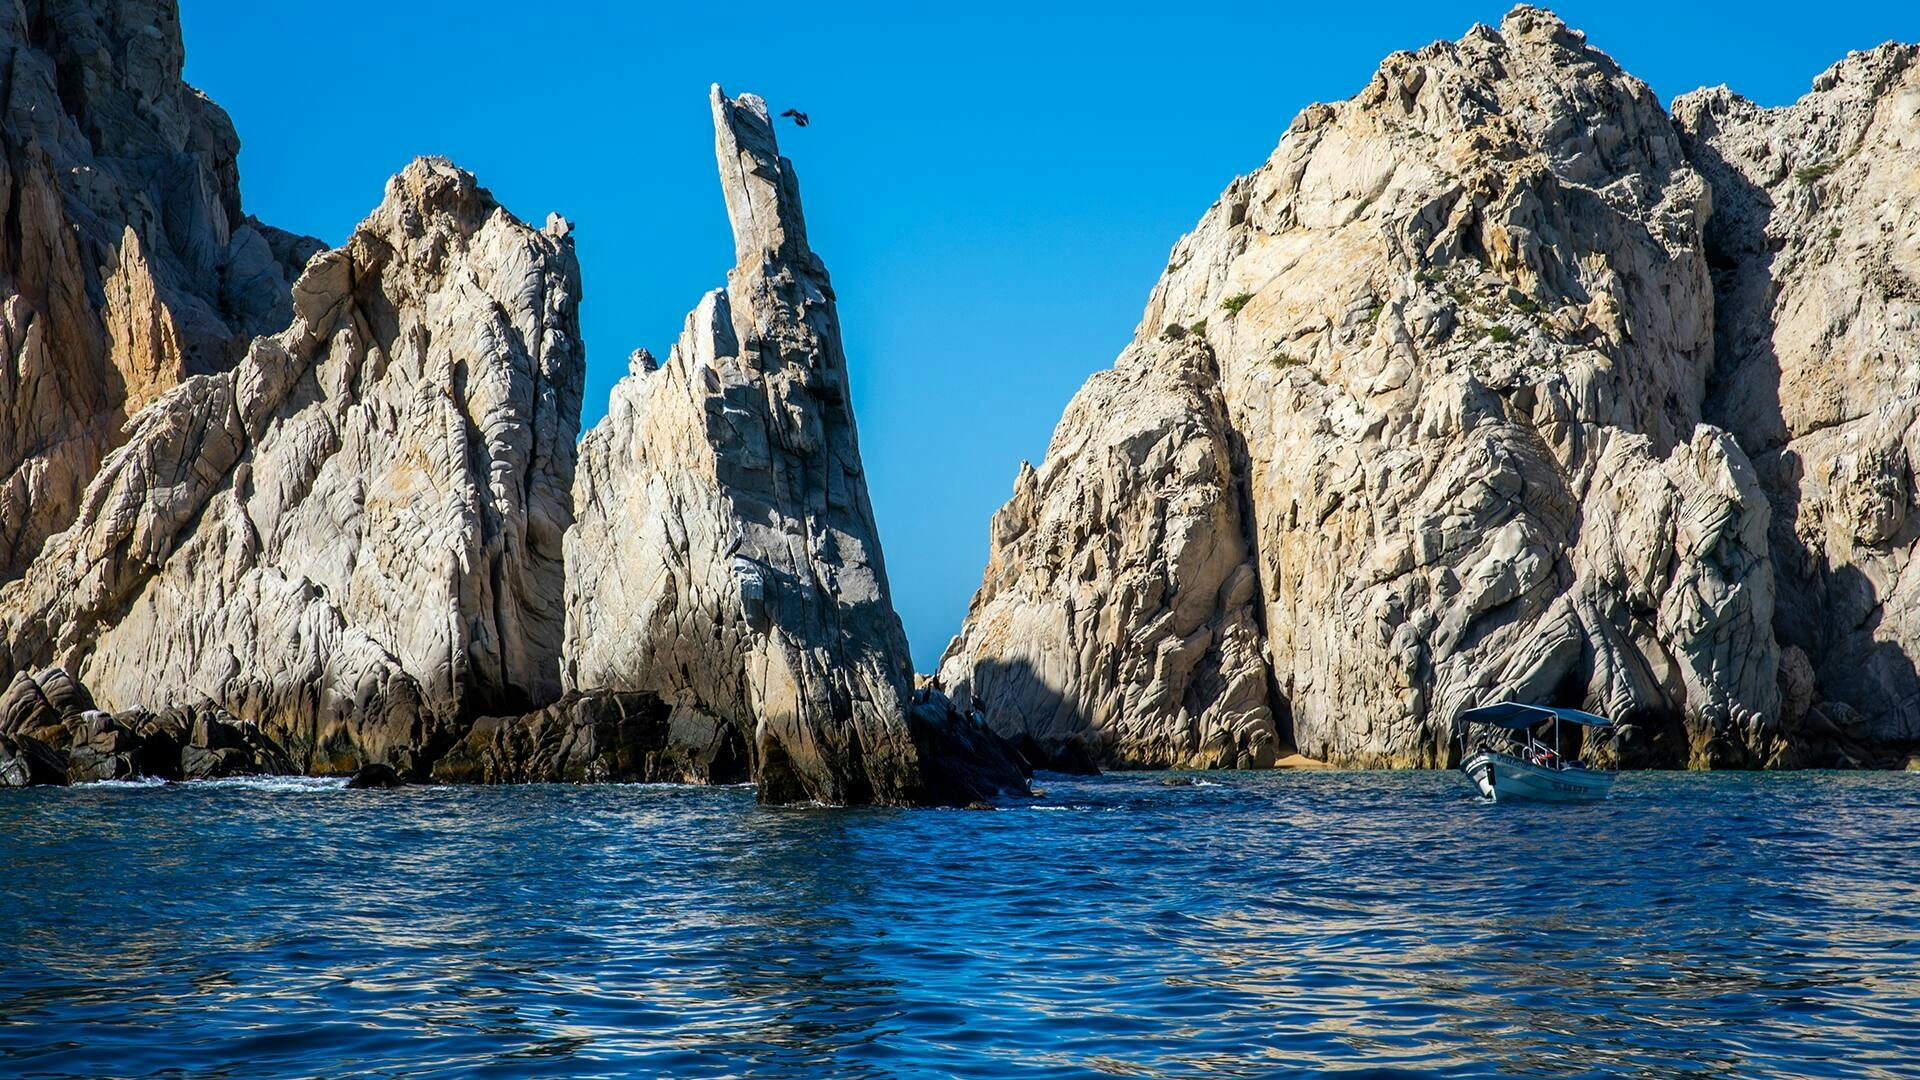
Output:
(1275, 924)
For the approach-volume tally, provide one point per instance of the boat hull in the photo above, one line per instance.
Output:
(1503, 777)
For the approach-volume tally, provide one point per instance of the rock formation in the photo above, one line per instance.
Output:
(726, 557)
(1815, 239)
(1120, 569)
(1461, 332)
(126, 264)
(598, 738)
(352, 537)
(51, 733)
(334, 513)
(1496, 380)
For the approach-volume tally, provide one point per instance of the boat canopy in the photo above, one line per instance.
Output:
(1512, 714)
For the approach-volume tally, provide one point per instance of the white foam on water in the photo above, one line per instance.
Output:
(131, 782)
(653, 785)
(275, 783)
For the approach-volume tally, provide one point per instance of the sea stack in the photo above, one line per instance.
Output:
(726, 556)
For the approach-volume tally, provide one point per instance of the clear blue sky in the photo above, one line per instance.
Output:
(994, 187)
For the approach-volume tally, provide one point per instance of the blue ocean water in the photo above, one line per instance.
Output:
(1258, 925)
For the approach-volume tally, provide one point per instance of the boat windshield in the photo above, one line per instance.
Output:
(1552, 753)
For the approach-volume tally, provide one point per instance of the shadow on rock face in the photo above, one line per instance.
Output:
(598, 737)
(1037, 719)
(27, 762)
(963, 761)
(1851, 698)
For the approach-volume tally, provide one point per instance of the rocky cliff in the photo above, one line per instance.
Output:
(1498, 347)
(726, 556)
(126, 263)
(1815, 240)
(351, 538)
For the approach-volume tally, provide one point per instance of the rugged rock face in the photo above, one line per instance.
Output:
(1461, 327)
(353, 537)
(1815, 239)
(126, 264)
(43, 705)
(726, 557)
(1120, 569)
(348, 534)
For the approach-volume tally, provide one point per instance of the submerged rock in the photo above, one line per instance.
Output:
(377, 776)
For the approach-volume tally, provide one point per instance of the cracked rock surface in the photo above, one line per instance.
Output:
(1460, 330)
(351, 538)
(126, 262)
(327, 495)
(52, 733)
(1815, 239)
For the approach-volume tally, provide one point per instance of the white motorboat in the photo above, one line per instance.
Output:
(1505, 758)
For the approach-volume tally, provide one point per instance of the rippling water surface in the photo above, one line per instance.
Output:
(1262, 924)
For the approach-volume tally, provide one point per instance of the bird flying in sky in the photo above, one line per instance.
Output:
(799, 117)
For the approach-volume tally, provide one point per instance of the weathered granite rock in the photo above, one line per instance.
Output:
(970, 761)
(1121, 570)
(1461, 326)
(44, 705)
(218, 744)
(27, 762)
(1815, 238)
(353, 537)
(53, 724)
(603, 737)
(726, 557)
(105, 747)
(126, 264)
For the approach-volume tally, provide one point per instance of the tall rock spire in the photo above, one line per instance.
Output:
(726, 555)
